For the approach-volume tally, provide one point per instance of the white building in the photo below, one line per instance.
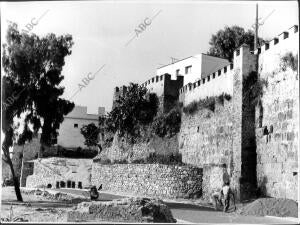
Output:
(69, 132)
(194, 67)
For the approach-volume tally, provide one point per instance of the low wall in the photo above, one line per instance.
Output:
(150, 180)
(63, 170)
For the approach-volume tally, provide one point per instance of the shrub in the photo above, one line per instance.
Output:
(106, 161)
(227, 96)
(138, 161)
(289, 60)
(167, 124)
(253, 87)
(208, 103)
(75, 153)
(120, 161)
(191, 108)
(223, 96)
(171, 159)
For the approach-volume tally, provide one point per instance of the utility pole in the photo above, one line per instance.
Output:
(256, 28)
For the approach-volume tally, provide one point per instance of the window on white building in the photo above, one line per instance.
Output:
(188, 69)
(177, 72)
(75, 125)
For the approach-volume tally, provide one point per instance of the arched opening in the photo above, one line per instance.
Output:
(80, 185)
(73, 184)
(49, 185)
(57, 184)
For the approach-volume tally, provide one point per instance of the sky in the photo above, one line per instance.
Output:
(101, 31)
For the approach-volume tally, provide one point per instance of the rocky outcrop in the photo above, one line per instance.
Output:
(141, 210)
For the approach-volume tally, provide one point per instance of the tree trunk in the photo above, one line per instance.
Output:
(16, 181)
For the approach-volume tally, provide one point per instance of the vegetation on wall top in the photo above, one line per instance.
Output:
(207, 103)
(152, 158)
(289, 60)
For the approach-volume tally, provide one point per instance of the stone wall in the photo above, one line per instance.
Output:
(213, 138)
(52, 170)
(277, 120)
(152, 180)
(206, 140)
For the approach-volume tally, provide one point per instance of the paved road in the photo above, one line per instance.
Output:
(199, 214)
(194, 213)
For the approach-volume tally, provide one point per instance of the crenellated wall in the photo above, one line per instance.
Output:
(265, 156)
(277, 119)
(210, 139)
(214, 84)
(166, 89)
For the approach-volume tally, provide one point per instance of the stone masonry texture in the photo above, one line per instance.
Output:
(152, 180)
(277, 134)
(49, 171)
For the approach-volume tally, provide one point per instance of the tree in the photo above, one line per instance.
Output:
(32, 75)
(224, 42)
(133, 109)
(90, 133)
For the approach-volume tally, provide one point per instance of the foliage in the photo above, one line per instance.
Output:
(170, 159)
(120, 161)
(225, 41)
(289, 60)
(167, 124)
(222, 97)
(132, 110)
(90, 133)
(152, 158)
(194, 106)
(79, 153)
(207, 103)
(253, 86)
(32, 74)
(103, 161)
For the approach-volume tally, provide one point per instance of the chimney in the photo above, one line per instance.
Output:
(101, 111)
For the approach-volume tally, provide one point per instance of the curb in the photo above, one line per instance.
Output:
(292, 219)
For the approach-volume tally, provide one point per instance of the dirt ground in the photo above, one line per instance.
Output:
(271, 207)
(35, 208)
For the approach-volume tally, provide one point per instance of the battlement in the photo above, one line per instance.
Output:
(280, 39)
(214, 75)
(161, 78)
(122, 89)
(219, 81)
